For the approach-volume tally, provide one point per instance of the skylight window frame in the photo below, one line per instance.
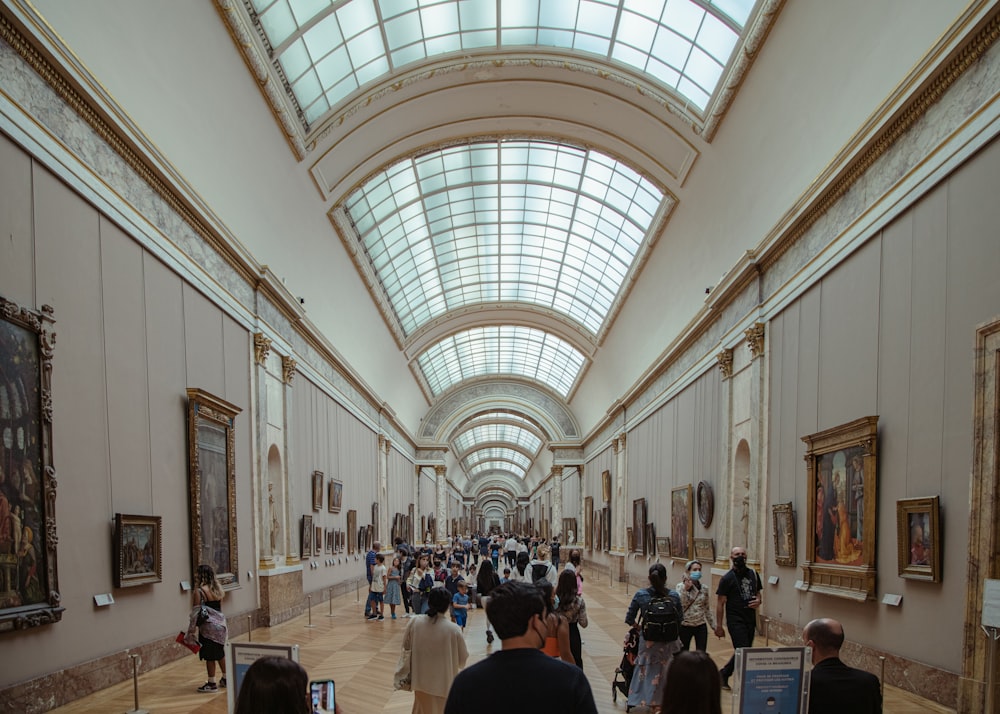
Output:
(340, 88)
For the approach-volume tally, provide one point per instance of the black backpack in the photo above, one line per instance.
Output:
(659, 620)
(539, 571)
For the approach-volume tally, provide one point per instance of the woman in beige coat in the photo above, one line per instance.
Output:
(437, 654)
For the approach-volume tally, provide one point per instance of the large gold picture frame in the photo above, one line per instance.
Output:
(212, 481)
(588, 525)
(841, 468)
(681, 522)
(29, 583)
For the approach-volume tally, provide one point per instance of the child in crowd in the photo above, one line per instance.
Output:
(506, 576)
(460, 604)
(378, 587)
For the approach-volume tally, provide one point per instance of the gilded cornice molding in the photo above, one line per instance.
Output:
(971, 51)
(261, 348)
(755, 340)
(288, 367)
(725, 361)
(68, 93)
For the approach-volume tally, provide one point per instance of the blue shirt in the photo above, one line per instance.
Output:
(643, 597)
(369, 564)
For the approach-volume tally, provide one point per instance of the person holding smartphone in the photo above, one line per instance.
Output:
(278, 685)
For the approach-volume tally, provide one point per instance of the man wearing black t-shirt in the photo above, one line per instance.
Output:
(545, 685)
(739, 597)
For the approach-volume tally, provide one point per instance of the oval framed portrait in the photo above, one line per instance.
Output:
(706, 503)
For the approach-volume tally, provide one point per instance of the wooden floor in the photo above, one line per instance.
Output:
(361, 657)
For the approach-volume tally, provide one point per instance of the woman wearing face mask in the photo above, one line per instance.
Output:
(698, 617)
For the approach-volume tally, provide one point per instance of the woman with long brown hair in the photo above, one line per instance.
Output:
(209, 593)
(574, 610)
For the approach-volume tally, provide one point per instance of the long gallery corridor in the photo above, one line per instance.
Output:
(361, 657)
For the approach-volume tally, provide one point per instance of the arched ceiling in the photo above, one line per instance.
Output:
(498, 181)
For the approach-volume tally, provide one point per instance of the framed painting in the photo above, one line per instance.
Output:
(784, 533)
(681, 522)
(29, 583)
(841, 481)
(663, 546)
(639, 525)
(606, 486)
(352, 532)
(705, 502)
(588, 522)
(335, 497)
(317, 490)
(307, 537)
(138, 550)
(606, 528)
(630, 539)
(318, 541)
(411, 536)
(704, 550)
(650, 541)
(918, 538)
(212, 472)
(374, 526)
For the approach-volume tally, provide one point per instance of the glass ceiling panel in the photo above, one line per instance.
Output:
(501, 350)
(497, 433)
(503, 221)
(329, 48)
(504, 466)
(494, 454)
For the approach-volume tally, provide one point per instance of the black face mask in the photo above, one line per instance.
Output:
(740, 562)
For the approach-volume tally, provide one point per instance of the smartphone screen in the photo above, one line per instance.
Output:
(321, 694)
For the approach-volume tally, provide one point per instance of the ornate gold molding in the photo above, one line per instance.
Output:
(755, 340)
(970, 52)
(288, 366)
(261, 347)
(725, 360)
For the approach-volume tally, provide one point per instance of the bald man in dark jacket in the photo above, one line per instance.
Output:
(834, 687)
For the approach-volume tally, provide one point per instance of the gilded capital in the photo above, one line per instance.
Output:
(755, 339)
(261, 347)
(288, 366)
(725, 360)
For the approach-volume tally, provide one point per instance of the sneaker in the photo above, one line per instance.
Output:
(371, 618)
(380, 618)
(222, 682)
(394, 617)
(208, 687)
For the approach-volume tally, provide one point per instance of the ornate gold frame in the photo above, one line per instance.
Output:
(126, 550)
(26, 370)
(212, 482)
(682, 522)
(783, 522)
(827, 452)
(924, 512)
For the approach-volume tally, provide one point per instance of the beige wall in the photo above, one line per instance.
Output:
(891, 333)
(131, 336)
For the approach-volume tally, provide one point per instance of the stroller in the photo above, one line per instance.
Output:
(625, 670)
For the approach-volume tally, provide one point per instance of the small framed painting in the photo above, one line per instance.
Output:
(918, 538)
(138, 550)
(704, 550)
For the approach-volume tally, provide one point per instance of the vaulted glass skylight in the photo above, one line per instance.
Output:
(497, 433)
(528, 222)
(495, 454)
(327, 49)
(501, 350)
(500, 466)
